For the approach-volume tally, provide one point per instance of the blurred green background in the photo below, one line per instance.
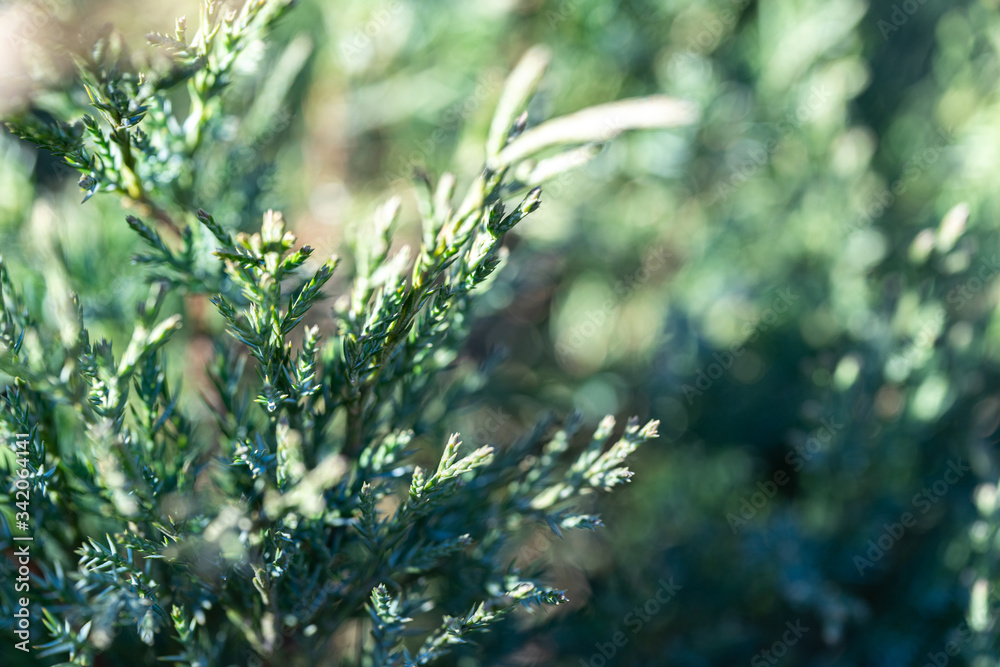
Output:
(802, 288)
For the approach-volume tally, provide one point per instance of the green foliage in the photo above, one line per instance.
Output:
(835, 141)
(802, 287)
(275, 530)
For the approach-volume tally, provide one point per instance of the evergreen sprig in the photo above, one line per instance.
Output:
(272, 528)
